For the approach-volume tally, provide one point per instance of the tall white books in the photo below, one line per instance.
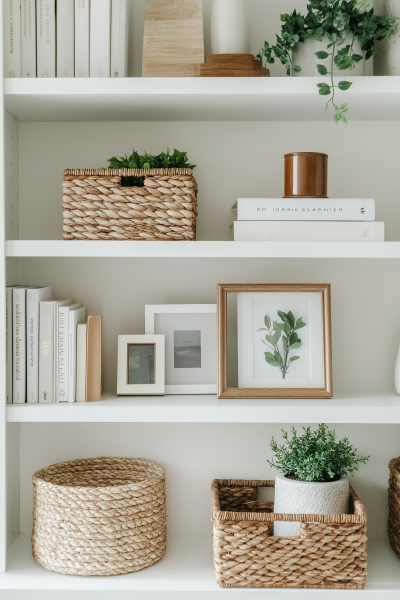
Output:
(9, 343)
(76, 316)
(33, 298)
(62, 384)
(65, 38)
(100, 42)
(308, 231)
(28, 38)
(19, 345)
(81, 355)
(82, 38)
(12, 38)
(58, 304)
(46, 38)
(119, 38)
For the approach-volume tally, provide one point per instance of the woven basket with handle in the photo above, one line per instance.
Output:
(96, 206)
(329, 553)
(393, 528)
(99, 516)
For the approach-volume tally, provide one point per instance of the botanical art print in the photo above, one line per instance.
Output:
(282, 338)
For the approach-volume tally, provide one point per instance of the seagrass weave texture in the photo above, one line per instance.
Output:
(393, 528)
(96, 207)
(329, 553)
(100, 516)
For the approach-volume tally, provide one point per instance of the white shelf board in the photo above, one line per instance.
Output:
(345, 407)
(196, 99)
(187, 567)
(165, 249)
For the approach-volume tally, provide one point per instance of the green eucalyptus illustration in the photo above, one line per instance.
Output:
(285, 332)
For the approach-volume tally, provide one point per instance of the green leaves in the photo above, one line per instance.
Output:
(321, 55)
(294, 358)
(270, 359)
(322, 70)
(267, 321)
(299, 324)
(324, 89)
(345, 85)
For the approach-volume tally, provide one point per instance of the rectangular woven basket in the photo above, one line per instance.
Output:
(393, 527)
(330, 552)
(96, 206)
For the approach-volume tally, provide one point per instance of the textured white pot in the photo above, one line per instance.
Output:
(397, 373)
(230, 27)
(303, 55)
(387, 52)
(304, 497)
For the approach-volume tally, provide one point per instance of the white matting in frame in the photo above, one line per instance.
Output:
(190, 345)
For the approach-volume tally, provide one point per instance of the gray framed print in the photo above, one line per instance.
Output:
(141, 365)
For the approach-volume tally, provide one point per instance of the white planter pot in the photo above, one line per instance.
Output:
(230, 27)
(304, 497)
(303, 55)
(387, 52)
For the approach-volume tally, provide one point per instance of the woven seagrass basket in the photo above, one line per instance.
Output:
(99, 516)
(330, 552)
(96, 207)
(393, 528)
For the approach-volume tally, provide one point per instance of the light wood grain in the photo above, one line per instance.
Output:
(173, 38)
(295, 393)
(231, 65)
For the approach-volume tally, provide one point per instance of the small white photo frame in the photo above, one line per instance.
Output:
(141, 365)
(190, 345)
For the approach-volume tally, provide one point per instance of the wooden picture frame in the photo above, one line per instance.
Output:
(325, 391)
(156, 387)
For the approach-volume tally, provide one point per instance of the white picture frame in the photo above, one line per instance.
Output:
(191, 318)
(126, 386)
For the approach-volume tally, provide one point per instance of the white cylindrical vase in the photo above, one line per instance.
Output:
(397, 373)
(305, 497)
(387, 52)
(230, 27)
(303, 55)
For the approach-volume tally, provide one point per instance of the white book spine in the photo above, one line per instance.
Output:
(19, 345)
(306, 231)
(46, 353)
(9, 343)
(75, 317)
(33, 298)
(12, 38)
(305, 209)
(82, 38)
(100, 42)
(81, 345)
(28, 38)
(65, 38)
(119, 38)
(46, 38)
(62, 365)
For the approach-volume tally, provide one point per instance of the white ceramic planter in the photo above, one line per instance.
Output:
(387, 52)
(304, 497)
(303, 55)
(230, 27)
(397, 373)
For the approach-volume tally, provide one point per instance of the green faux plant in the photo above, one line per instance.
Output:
(334, 20)
(165, 160)
(285, 332)
(315, 455)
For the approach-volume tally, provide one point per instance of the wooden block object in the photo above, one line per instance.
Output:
(93, 365)
(173, 38)
(231, 65)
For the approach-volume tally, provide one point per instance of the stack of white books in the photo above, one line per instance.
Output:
(65, 38)
(52, 353)
(307, 220)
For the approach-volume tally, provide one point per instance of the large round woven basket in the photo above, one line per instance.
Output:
(393, 528)
(99, 516)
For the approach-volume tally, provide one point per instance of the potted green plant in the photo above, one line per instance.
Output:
(312, 476)
(337, 33)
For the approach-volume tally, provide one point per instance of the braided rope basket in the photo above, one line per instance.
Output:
(99, 516)
(393, 528)
(330, 552)
(96, 207)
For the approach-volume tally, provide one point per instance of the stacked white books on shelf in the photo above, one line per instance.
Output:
(47, 359)
(307, 219)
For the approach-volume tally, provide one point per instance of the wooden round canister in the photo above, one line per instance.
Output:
(306, 175)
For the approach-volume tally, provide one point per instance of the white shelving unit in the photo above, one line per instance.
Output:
(237, 132)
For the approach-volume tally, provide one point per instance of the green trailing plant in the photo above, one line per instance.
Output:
(315, 455)
(165, 160)
(334, 21)
(284, 332)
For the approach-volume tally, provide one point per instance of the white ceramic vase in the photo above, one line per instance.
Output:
(387, 52)
(397, 373)
(304, 497)
(303, 55)
(230, 27)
